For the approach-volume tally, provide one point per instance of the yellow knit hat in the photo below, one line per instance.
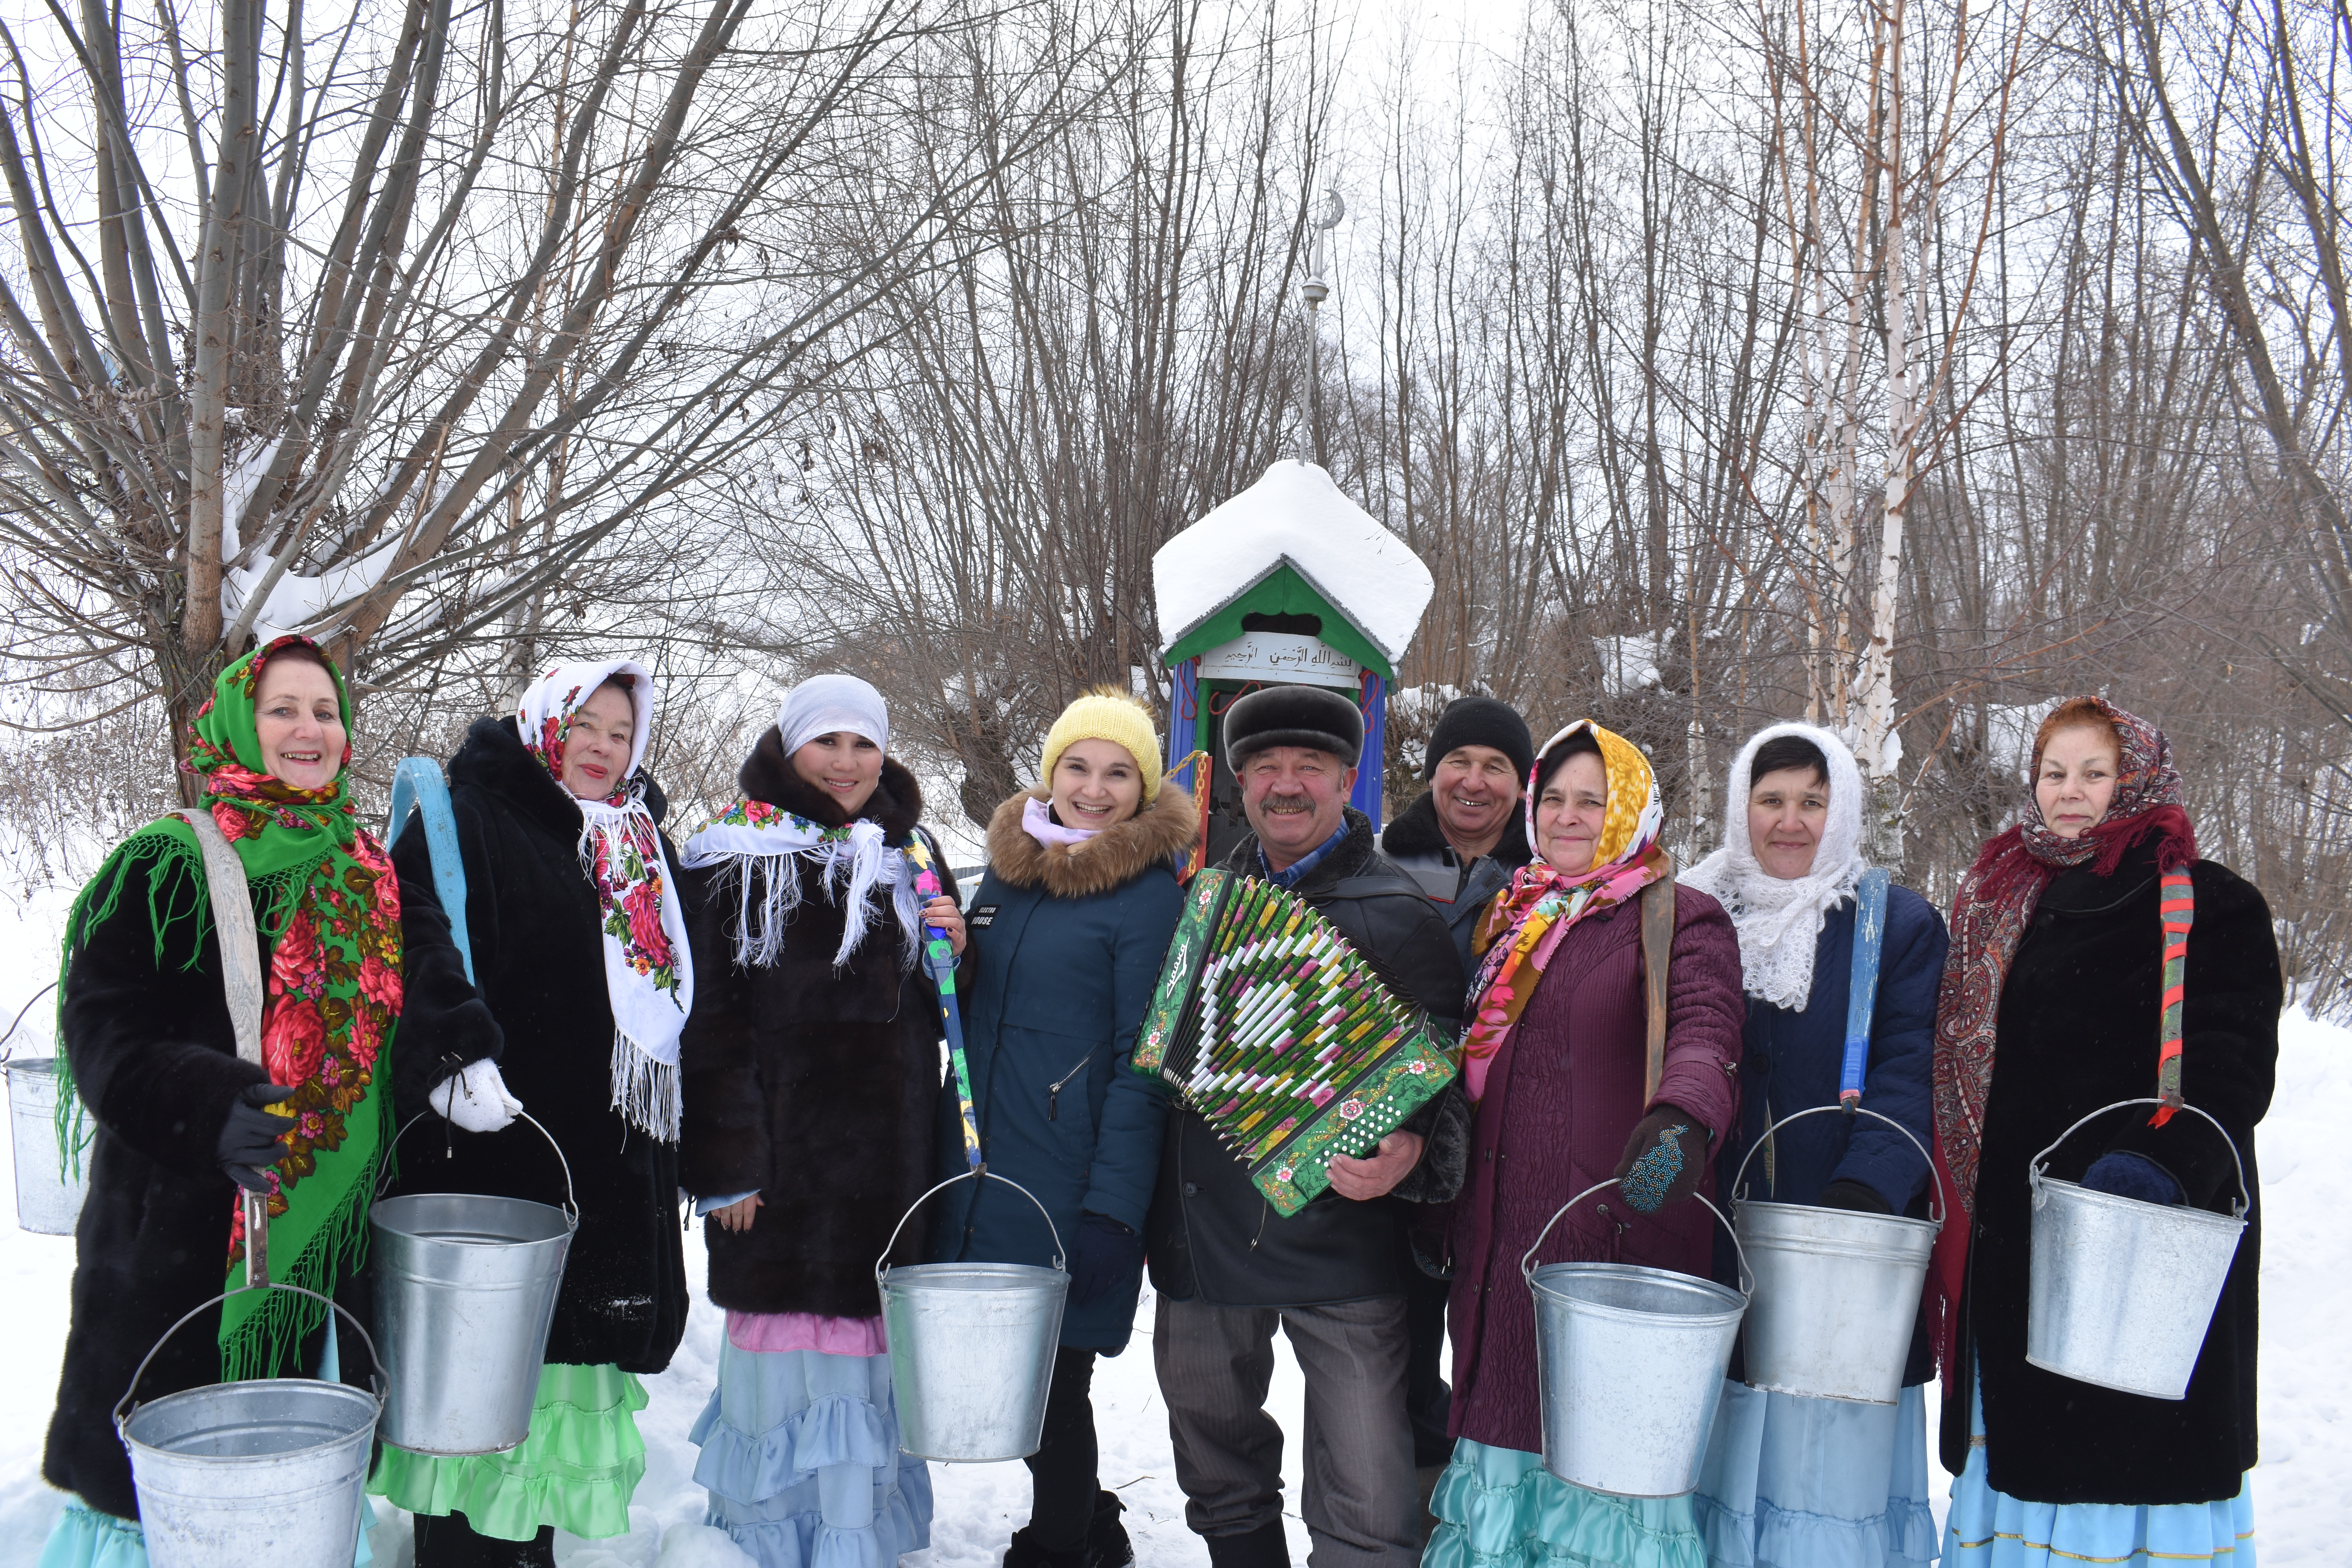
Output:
(1107, 713)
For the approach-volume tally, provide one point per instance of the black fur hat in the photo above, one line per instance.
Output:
(1313, 716)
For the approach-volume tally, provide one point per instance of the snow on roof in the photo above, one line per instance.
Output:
(1294, 514)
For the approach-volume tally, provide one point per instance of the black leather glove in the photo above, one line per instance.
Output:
(1846, 1193)
(1663, 1160)
(248, 1138)
(1104, 1256)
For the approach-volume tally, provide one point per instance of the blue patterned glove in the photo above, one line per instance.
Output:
(1663, 1160)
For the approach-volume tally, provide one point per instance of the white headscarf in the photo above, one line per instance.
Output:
(852, 859)
(832, 705)
(648, 970)
(1780, 919)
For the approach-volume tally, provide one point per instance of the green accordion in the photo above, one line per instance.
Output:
(1277, 1031)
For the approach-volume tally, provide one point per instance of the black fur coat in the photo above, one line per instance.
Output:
(808, 1085)
(539, 964)
(146, 1028)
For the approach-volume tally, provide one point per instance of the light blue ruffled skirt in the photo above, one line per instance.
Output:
(1499, 1508)
(85, 1538)
(1789, 1482)
(800, 1454)
(1987, 1529)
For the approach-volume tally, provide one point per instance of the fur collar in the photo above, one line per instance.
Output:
(767, 776)
(1417, 831)
(1111, 859)
(493, 758)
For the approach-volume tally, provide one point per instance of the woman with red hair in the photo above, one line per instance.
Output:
(2053, 1006)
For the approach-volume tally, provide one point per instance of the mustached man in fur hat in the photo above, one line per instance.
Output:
(1228, 1270)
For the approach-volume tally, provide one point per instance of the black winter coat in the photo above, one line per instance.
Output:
(155, 1057)
(808, 1085)
(2077, 1030)
(538, 967)
(1212, 1235)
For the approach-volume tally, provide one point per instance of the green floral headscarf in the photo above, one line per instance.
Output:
(327, 906)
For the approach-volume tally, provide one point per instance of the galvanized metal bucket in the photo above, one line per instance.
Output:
(1837, 1292)
(464, 1294)
(266, 1470)
(1630, 1363)
(2120, 1292)
(49, 1198)
(971, 1346)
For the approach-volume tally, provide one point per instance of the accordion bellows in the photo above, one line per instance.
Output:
(1281, 1035)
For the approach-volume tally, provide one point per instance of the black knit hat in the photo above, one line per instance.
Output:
(1481, 721)
(1311, 716)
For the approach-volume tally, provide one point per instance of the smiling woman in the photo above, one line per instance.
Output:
(578, 933)
(810, 1069)
(181, 1120)
(297, 718)
(1849, 1480)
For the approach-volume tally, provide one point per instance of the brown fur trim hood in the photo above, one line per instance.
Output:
(1160, 832)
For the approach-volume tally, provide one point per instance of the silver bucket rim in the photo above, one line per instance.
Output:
(1939, 1206)
(125, 1409)
(2037, 1174)
(392, 1225)
(2185, 1213)
(341, 1390)
(1540, 1282)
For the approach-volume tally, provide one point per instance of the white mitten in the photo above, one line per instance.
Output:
(476, 1099)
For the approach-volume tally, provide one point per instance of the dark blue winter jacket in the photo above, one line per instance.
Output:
(1066, 943)
(1792, 1061)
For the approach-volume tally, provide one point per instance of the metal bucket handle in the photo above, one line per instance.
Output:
(124, 1407)
(571, 1200)
(2041, 1161)
(19, 1018)
(1933, 1180)
(978, 1172)
(1527, 1261)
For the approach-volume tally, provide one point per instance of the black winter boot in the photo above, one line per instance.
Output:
(1024, 1553)
(1106, 1542)
(1261, 1548)
(450, 1543)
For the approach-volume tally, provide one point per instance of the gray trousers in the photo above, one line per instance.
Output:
(1362, 1507)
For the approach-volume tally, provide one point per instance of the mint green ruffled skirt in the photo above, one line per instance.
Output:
(576, 1471)
(1499, 1508)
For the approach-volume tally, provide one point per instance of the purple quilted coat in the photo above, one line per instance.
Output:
(1562, 1098)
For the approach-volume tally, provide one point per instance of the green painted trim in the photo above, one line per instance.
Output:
(1281, 591)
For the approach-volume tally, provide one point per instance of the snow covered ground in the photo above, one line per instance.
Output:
(2303, 1490)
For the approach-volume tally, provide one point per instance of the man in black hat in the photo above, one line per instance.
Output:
(1467, 832)
(1228, 1270)
(1461, 841)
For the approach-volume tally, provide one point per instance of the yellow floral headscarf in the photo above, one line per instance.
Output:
(1523, 927)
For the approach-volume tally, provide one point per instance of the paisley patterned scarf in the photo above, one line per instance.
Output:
(328, 904)
(648, 971)
(1995, 902)
(1522, 928)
